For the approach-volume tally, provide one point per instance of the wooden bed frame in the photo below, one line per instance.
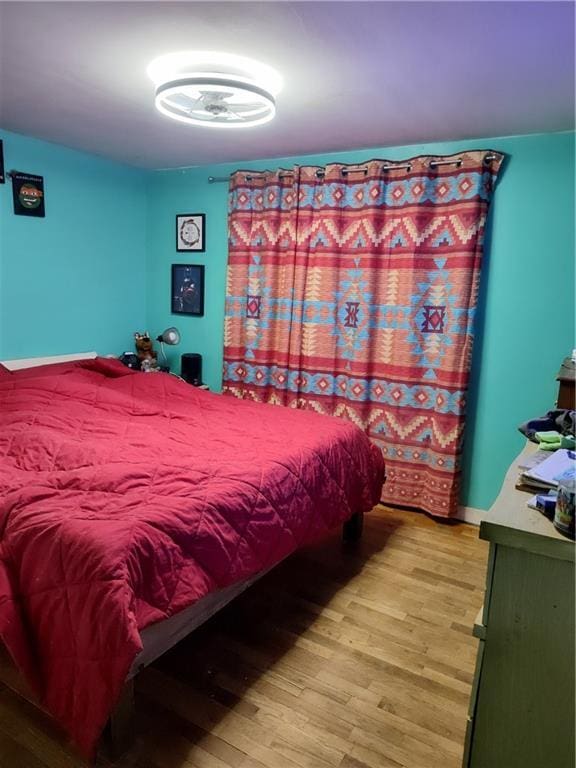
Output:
(160, 637)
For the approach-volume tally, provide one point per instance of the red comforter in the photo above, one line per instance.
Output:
(125, 497)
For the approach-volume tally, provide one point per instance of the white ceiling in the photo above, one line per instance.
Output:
(356, 74)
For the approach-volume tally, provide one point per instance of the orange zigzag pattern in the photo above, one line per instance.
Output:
(334, 234)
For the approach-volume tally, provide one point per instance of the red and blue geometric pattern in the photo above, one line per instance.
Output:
(354, 296)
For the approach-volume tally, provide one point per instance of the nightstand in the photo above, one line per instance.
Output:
(567, 386)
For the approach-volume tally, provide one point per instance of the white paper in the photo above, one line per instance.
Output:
(559, 465)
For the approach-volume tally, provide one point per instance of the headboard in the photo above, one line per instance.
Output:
(32, 362)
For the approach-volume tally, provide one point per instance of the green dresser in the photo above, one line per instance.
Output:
(522, 705)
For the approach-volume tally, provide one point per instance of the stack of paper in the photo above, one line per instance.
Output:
(548, 473)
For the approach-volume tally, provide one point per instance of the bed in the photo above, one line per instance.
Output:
(133, 506)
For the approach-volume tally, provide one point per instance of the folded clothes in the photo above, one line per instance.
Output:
(560, 420)
(548, 437)
(551, 440)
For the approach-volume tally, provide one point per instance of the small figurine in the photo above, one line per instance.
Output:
(146, 353)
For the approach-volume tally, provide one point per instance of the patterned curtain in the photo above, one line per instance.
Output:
(351, 292)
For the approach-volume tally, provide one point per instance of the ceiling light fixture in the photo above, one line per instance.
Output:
(217, 90)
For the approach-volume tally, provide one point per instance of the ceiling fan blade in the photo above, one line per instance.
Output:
(216, 95)
(181, 101)
(245, 107)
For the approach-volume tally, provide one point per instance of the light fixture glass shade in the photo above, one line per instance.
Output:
(170, 336)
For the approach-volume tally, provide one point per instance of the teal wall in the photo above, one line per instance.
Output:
(74, 280)
(98, 267)
(525, 319)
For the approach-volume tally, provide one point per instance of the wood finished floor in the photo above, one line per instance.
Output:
(339, 658)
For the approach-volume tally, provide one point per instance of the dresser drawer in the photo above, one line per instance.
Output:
(522, 702)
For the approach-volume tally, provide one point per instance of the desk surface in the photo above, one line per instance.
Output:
(510, 508)
(512, 522)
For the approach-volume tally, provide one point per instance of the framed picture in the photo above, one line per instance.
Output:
(190, 232)
(28, 194)
(187, 289)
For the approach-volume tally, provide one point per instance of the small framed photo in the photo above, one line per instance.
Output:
(190, 232)
(187, 289)
(28, 194)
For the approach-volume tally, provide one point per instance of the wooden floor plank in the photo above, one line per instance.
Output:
(341, 657)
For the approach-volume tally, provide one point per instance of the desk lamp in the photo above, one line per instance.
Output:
(170, 336)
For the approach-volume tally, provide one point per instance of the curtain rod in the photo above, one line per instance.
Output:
(345, 171)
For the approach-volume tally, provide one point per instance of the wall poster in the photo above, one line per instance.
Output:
(28, 194)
